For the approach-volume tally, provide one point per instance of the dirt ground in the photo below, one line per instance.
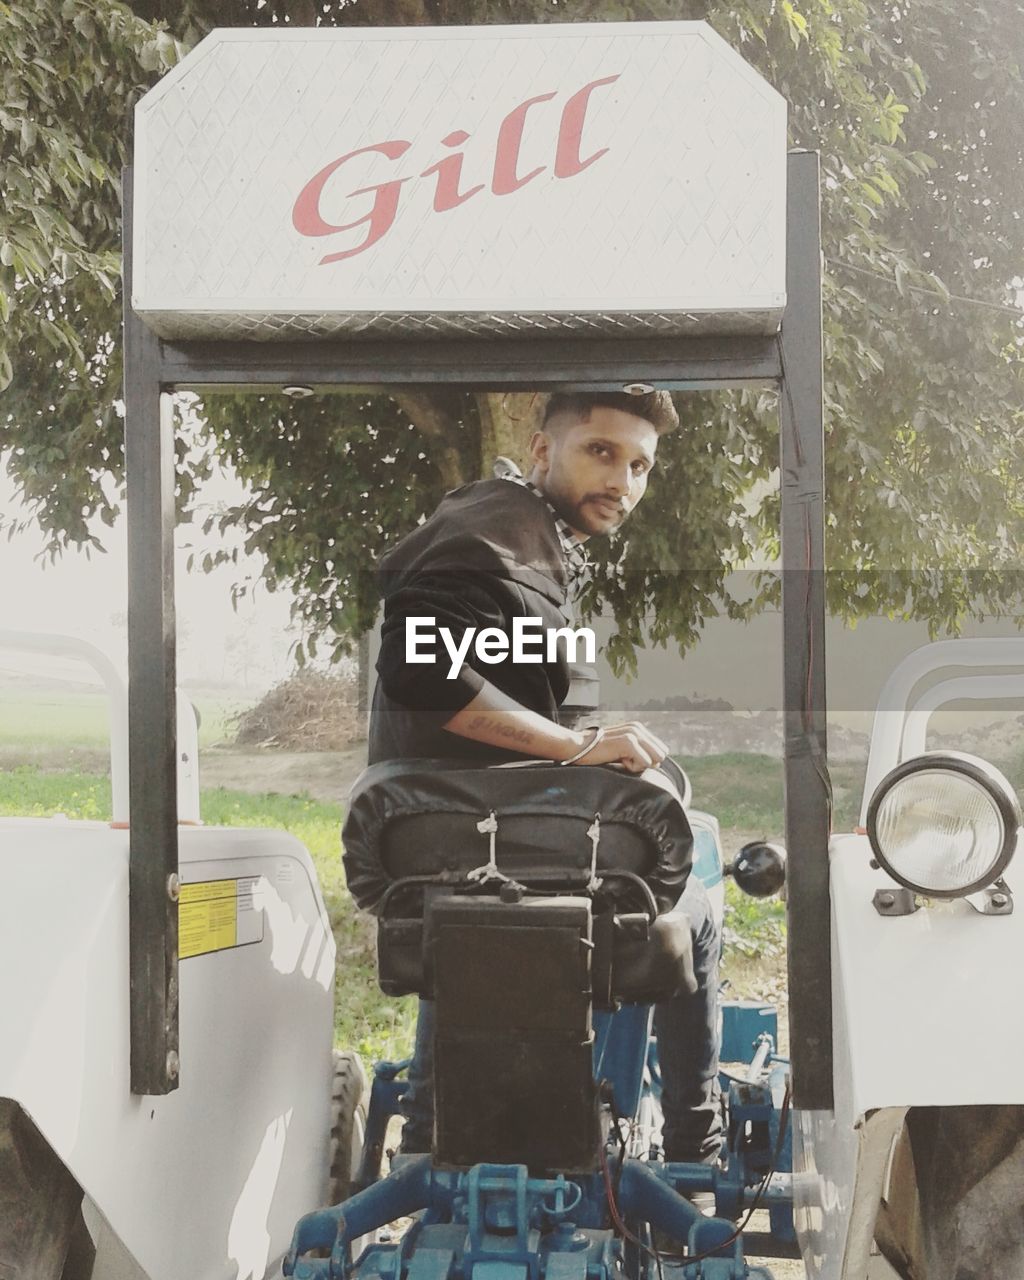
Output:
(323, 775)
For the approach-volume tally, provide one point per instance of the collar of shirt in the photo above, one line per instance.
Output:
(572, 546)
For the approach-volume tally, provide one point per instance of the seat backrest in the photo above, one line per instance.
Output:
(513, 1045)
(422, 830)
(411, 819)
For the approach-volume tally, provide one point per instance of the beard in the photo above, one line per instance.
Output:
(599, 514)
(593, 514)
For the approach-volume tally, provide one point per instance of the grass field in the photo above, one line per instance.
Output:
(744, 791)
(78, 718)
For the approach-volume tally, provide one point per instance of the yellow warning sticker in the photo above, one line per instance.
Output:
(214, 915)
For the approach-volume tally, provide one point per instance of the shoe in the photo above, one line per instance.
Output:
(703, 1202)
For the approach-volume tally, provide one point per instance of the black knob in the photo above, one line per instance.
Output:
(759, 868)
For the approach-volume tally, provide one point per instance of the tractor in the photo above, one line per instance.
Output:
(167, 1087)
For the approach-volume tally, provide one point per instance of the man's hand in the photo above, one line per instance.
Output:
(493, 717)
(630, 745)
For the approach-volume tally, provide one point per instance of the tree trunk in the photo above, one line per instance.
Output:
(435, 415)
(507, 423)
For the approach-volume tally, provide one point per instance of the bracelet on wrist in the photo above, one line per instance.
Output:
(598, 735)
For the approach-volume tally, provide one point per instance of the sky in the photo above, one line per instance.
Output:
(86, 596)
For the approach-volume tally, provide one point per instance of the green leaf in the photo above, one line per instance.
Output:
(923, 394)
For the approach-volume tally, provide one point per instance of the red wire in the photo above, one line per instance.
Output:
(617, 1217)
(699, 1257)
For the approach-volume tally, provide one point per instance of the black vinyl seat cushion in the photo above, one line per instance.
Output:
(419, 818)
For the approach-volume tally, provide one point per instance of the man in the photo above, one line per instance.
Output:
(501, 549)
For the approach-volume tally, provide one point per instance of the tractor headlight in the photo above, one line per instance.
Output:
(944, 824)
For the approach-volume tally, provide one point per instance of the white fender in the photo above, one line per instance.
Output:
(208, 1181)
(922, 1016)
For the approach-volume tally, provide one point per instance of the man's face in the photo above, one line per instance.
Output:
(595, 472)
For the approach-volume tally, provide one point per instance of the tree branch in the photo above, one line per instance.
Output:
(436, 414)
(507, 422)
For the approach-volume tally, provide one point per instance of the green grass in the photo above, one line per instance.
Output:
(28, 793)
(365, 1020)
(744, 791)
(53, 719)
(754, 928)
(67, 718)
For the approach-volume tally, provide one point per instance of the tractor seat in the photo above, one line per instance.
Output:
(413, 833)
(412, 818)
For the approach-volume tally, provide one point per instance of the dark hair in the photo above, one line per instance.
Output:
(655, 407)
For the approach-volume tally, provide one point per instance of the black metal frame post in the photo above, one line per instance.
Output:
(807, 787)
(154, 368)
(152, 717)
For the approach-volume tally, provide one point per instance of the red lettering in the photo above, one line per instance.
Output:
(449, 175)
(447, 172)
(510, 140)
(570, 132)
(306, 217)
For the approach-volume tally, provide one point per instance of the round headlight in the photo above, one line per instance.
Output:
(944, 824)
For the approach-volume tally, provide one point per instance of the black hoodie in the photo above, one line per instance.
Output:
(488, 554)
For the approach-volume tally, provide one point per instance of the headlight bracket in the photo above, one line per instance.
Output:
(896, 901)
(996, 900)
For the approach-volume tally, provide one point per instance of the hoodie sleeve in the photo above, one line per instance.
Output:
(456, 601)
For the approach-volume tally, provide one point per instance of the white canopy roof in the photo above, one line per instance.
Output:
(593, 178)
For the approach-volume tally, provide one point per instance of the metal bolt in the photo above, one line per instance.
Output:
(173, 1064)
(999, 899)
(173, 886)
(886, 899)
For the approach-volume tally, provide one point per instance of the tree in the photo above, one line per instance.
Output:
(914, 113)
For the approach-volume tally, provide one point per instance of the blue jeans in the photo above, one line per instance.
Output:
(687, 1032)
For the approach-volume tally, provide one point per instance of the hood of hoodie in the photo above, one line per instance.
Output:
(489, 526)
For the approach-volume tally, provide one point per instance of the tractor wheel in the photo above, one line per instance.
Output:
(81, 1253)
(348, 1125)
(958, 1187)
(39, 1202)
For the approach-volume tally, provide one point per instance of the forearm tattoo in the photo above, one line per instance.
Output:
(487, 724)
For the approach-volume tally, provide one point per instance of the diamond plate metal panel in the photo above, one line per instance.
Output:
(487, 180)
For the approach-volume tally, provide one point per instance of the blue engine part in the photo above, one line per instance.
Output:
(495, 1222)
(759, 1139)
(385, 1096)
(744, 1023)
